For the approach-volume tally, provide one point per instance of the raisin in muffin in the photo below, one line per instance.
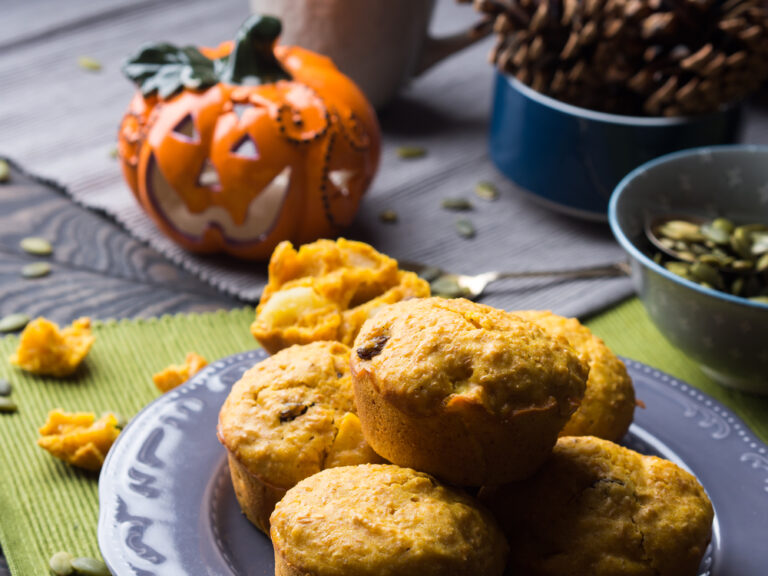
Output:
(600, 509)
(326, 290)
(383, 520)
(469, 393)
(609, 401)
(289, 417)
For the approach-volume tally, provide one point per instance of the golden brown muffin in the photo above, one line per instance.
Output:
(326, 290)
(289, 417)
(469, 393)
(609, 401)
(600, 509)
(383, 520)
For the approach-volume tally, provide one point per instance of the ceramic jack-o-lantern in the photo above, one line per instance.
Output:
(235, 152)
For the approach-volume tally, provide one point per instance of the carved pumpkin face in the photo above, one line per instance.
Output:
(239, 167)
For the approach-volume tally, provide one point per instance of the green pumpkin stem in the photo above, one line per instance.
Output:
(253, 61)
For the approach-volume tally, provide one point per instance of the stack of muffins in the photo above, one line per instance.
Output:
(385, 458)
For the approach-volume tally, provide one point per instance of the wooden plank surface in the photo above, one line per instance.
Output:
(97, 268)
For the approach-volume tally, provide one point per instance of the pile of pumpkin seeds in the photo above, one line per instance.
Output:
(718, 255)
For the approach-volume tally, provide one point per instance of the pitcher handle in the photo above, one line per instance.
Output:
(437, 49)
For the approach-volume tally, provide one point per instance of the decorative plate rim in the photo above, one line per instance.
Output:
(121, 532)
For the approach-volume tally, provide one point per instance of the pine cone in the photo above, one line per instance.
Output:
(653, 57)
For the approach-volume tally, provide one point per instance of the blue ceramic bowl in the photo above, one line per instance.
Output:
(726, 335)
(572, 158)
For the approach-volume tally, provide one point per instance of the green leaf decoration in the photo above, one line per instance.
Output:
(166, 69)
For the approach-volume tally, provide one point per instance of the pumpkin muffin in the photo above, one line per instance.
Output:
(600, 509)
(609, 401)
(383, 520)
(326, 290)
(287, 418)
(469, 393)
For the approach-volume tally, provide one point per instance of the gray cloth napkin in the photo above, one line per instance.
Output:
(60, 122)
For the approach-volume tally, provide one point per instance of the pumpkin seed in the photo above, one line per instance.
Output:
(737, 287)
(36, 270)
(7, 406)
(741, 242)
(762, 263)
(668, 243)
(37, 246)
(13, 322)
(713, 260)
(456, 204)
(430, 273)
(465, 228)
(723, 224)
(61, 564)
(486, 191)
(5, 171)
(716, 234)
(706, 273)
(447, 286)
(678, 268)
(88, 63)
(90, 567)
(680, 230)
(742, 265)
(5, 387)
(759, 243)
(114, 152)
(388, 216)
(409, 152)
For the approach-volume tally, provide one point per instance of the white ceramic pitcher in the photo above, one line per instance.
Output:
(380, 44)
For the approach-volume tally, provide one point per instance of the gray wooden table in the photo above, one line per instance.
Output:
(101, 270)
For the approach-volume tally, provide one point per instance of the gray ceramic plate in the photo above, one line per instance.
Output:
(168, 508)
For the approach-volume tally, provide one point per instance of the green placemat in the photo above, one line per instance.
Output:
(47, 506)
(628, 331)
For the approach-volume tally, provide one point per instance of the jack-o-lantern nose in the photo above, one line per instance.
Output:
(209, 176)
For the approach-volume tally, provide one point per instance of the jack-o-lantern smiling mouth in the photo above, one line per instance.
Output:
(263, 211)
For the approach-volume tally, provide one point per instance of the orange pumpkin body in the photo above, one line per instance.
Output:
(238, 167)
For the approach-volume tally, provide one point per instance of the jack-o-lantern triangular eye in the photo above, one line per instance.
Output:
(246, 148)
(186, 129)
(209, 176)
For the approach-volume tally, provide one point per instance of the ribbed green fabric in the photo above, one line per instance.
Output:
(628, 331)
(46, 506)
